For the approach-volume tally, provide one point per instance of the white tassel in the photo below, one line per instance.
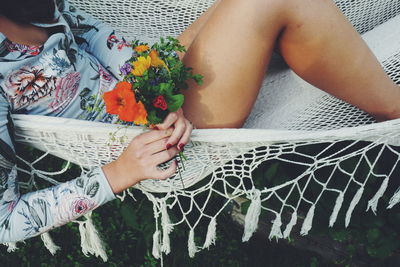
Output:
(11, 246)
(167, 229)
(48, 243)
(353, 204)
(211, 233)
(373, 203)
(166, 246)
(90, 240)
(290, 225)
(395, 199)
(252, 215)
(276, 228)
(307, 224)
(336, 209)
(156, 244)
(192, 248)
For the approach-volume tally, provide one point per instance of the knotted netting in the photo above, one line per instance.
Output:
(329, 144)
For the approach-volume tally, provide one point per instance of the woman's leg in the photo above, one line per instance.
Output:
(187, 36)
(233, 46)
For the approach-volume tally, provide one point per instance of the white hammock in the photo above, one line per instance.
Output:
(288, 117)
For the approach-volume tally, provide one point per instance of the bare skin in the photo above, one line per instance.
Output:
(232, 44)
(23, 34)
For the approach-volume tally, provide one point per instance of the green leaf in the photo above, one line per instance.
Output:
(351, 249)
(129, 216)
(175, 102)
(166, 89)
(153, 118)
(373, 235)
(340, 235)
(314, 262)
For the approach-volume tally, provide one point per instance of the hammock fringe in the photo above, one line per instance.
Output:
(211, 233)
(167, 228)
(336, 209)
(252, 215)
(192, 248)
(156, 245)
(373, 203)
(276, 228)
(90, 240)
(11, 246)
(353, 204)
(395, 199)
(307, 224)
(289, 226)
(49, 244)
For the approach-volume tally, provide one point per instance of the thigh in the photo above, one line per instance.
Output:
(231, 51)
(187, 36)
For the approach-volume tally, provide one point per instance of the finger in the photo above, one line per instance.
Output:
(156, 146)
(164, 156)
(164, 174)
(186, 136)
(168, 121)
(152, 136)
(180, 127)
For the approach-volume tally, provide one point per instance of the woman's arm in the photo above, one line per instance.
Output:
(28, 215)
(24, 216)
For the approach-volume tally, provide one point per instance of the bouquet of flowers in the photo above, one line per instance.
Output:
(151, 87)
(152, 82)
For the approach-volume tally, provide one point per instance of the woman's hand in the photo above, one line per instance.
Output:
(140, 159)
(182, 129)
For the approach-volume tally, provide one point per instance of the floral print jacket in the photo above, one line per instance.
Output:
(63, 77)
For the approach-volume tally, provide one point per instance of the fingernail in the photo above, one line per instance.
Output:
(168, 146)
(181, 147)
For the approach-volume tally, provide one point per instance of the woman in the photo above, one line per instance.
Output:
(54, 58)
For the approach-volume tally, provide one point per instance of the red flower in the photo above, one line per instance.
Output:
(159, 102)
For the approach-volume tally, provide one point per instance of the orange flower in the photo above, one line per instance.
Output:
(141, 48)
(141, 114)
(156, 61)
(141, 65)
(121, 101)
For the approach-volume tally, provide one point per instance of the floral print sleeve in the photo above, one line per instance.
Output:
(97, 38)
(64, 77)
(24, 216)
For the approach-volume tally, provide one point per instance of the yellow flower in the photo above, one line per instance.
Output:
(141, 48)
(156, 61)
(141, 65)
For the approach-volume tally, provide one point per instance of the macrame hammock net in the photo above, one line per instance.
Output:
(335, 146)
